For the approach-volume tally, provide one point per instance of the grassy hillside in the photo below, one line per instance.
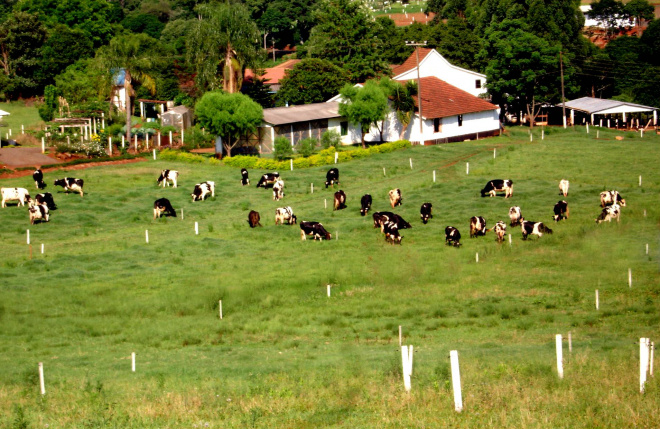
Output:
(20, 114)
(286, 355)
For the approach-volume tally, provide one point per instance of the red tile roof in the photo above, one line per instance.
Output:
(273, 75)
(441, 100)
(411, 62)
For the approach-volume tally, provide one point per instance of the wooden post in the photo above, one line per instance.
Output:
(647, 248)
(133, 361)
(400, 335)
(597, 133)
(328, 287)
(22, 129)
(181, 213)
(196, 229)
(542, 134)
(146, 136)
(42, 383)
(643, 362)
(531, 137)
(629, 277)
(641, 133)
(597, 301)
(220, 308)
(456, 381)
(560, 358)
(110, 146)
(467, 168)
(182, 136)
(146, 235)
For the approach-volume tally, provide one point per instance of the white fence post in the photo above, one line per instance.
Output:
(400, 335)
(312, 186)
(456, 381)
(597, 301)
(336, 157)
(123, 140)
(328, 287)
(43, 145)
(220, 308)
(651, 359)
(146, 235)
(570, 342)
(494, 153)
(560, 357)
(196, 228)
(467, 168)
(42, 383)
(411, 167)
(132, 361)
(629, 277)
(433, 176)
(28, 236)
(643, 362)
(383, 171)
(407, 366)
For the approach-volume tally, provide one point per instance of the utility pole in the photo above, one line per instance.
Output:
(419, 89)
(563, 100)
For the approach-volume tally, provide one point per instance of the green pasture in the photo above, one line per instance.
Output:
(19, 114)
(287, 356)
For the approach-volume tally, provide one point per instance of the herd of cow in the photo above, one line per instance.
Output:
(389, 223)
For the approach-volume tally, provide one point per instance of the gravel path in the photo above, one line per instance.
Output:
(14, 157)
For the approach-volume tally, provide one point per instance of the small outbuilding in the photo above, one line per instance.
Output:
(179, 117)
(611, 113)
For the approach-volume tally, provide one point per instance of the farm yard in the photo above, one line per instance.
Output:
(285, 354)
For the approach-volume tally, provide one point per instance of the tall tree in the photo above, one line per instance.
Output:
(402, 99)
(640, 10)
(365, 106)
(608, 13)
(311, 81)
(136, 55)
(229, 116)
(651, 42)
(223, 40)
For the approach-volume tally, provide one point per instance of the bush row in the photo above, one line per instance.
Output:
(175, 155)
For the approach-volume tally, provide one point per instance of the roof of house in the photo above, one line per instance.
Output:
(273, 75)
(440, 100)
(411, 62)
(601, 106)
(301, 113)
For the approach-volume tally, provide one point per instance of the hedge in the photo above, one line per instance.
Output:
(175, 155)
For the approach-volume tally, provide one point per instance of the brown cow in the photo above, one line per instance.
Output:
(254, 218)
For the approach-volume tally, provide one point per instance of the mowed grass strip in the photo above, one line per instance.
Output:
(286, 355)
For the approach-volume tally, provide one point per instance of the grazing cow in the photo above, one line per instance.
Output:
(426, 212)
(500, 231)
(46, 198)
(391, 232)
(395, 197)
(254, 218)
(38, 212)
(38, 178)
(515, 215)
(452, 236)
(561, 211)
(533, 228)
(340, 200)
(608, 198)
(380, 218)
(278, 190)
(285, 214)
(314, 229)
(365, 203)
(245, 180)
(498, 185)
(201, 190)
(268, 180)
(332, 177)
(167, 176)
(477, 226)
(609, 213)
(162, 206)
(563, 187)
(15, 194)
(71, 184)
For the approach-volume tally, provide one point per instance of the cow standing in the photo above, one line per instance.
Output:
(315, 229)
(365, 204)
(391, 232)
(167, 176)
(38, 177)
(533, 228)
(46, 198)
(268, 180)
(395, 197)
(425, 212)
(608, 198)
(332, 177)
(201, 190)
(477, 226)
(560, 211)
(452, 236)
(285, 214)
(245, 179)
(15, 194)
(278, 190)
(381, 218)
(609, 213)
(38, 212)
(498, 185)
(563, 187)
(71, 184)
(500, 231)
(340, 200)
(254, 218)
(515, 215)
(162, 206)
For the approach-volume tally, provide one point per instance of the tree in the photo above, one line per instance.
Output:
(402, 99)
(136, 55)
(364, 106)
(608, 13)
(651, 42)
(640, 10)
(223, 39)
(311, 81)
(63, 47)
(82, 82)
(229, 116)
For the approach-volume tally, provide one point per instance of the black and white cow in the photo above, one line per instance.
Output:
(254, 218)
(452, 236)
(391, 232)
(340, 200)
(395, 197)
(607, 198)
(332, 177)
(365, 203)
(315, 229)
(38, 177)
(245, 179)
(268, 180)
(201, 190)
(477, 226)
(426, 212)
(380, 218)
(46, 198)
(167, 176)
(498, 185)
(533, 228)
(163, 207)
(15, 194)
(515, 215)
(71, 184)
(609, 213)
(38, 212)
(563, 187)
(560, 210)
(278, 190)
(285, 214)
(500, 231)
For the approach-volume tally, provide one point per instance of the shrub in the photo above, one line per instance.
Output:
(330, 138)
(282, 148)
(114, 130)
(92, 148)
(306, 147)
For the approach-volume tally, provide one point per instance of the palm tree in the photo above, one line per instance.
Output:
(221, 44)
(135, 55)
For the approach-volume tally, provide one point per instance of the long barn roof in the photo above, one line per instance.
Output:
(602, 106)
(301, 113)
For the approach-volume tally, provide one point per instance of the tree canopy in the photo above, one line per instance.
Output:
(365, 106)
(311, 81)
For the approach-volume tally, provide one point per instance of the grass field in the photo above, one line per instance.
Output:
(19, 114)
(287, 356)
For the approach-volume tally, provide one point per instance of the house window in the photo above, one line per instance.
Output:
(344, 128)
(437, 125)
(477, 83)
(460, 120)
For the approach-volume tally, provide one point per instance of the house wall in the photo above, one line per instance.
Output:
(354, 134)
